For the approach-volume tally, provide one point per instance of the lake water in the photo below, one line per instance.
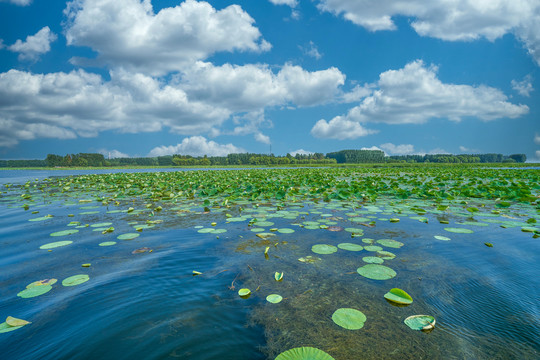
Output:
(149, 305)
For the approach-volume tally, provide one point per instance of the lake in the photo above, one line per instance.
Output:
(166, 253)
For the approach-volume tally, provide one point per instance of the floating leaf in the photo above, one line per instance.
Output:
(4, 327)
(420, 322)
(42, 282)
(309, 259)
(285, 231)
(335, 228)
(372, 260)
(350, 247)
(394, 220)
(55, 245)
(278, 276)
(443, 238)
(65, 232)
(390, 243)
(34, 291)
(86, 265)
(386, 255)
(459, 230)
(107, 243)
(11, 321)
(104, 224)
(244, 293)
(398, 296)
(350, 319)
(75, 280)
(372, 248)
(196, 273)
(304, 353)
(128, 236)
(323, 249)
(376, 272)
(274, 298)
(488, 244)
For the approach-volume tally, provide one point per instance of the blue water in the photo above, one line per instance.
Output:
(150, 306)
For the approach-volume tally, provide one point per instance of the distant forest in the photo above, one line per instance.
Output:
(339, 157)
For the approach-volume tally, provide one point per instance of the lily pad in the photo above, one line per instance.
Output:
(11, 321)
(34, 291)
(390, 243)
(107, 243)
(285, 231)
(459, 230)
(376, 272)
(278, 276)
(350, 319)
(274, 298)
(42, 282)
(309, 259)
(323, 249)
(75, 280)
(373, 248)
(5, 327)
(372, 260)
(398, 296)
(104, 224)
(128, 236)
(420, 322)
(443, 238)
(55, 245)
(350, 247)
(65, 232)
(386, 255)
(244, 293)
(304, 353)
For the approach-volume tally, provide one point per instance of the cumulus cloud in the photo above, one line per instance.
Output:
(448, 20)
(129, 34)
(339, 128)
(18, 2)
(35, 45)
(465, 149)
(523, 87)
(372, 148)
(196, 146)
(260, 137)
(311, 50)
(112, 154)
(403, 149)
(537, 138)
(414, 95)
(301, 152)
(291, 3)
(83, 104)
(537, 154)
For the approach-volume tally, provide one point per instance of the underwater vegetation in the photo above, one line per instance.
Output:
(327, 260)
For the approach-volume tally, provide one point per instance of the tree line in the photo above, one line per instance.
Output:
(338, 157)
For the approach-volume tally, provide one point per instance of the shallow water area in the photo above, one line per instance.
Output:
(143, 299)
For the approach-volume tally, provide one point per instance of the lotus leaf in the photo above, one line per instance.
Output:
(285, 231)
(443, 238)
(350, 247)
(65, 232)
(376, 272)
(420, 322)
(11, 321)
(304, 353)
(244, 293)
(372, 260)
(309, 259)
(459, 230)
(75, 280)
(42, 282)
(390, 243)
(323, 249)
(398, 296)
(107, 243)
(386, 255)
(350, 319)
(373, 248)
(34, 291)
(55, 244)
(274, 298)
(128, 236)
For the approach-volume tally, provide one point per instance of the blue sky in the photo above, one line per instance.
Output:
(149, 78)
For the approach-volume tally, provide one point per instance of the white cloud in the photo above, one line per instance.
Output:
(448, 19)
(537, 138)
(438, 151)
(18, 2)
(113, 154)
(260, 137)
(414, 95)
(339, 128)
(357, 93)
(291, 3)
(129, 34)
(523, 87)
(468, 150)
(372, 148)
(301, 152)
(63, 105)
(403, 149)
(35, 45)
(2, 44)
(311, 50)
(196, 146)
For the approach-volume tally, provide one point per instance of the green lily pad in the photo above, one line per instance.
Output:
(372, 248)
(386, 255)
(304, 353)
(42, 218)
(376, 272)
(309, 259)
(420, 322)
(264, 223)
(4, 327)
(75, 280)
(285, 231)
(459, 230)
(55, 244)
(128, 236)
(323, 249)
(398, 296)
(372, 260)
(443, 238)
(350, 247)
(205, 230)
(104, 224)
(244, 293)
(107, 243)
(42, 282)
(65, 232)
(34, 291)
(274, 298)
(350, 319)
(390, 243)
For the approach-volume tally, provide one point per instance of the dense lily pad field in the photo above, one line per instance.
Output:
(356, 263)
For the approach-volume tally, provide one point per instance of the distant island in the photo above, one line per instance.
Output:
(241, 159)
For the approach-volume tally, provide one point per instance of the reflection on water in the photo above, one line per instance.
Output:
(150, 306)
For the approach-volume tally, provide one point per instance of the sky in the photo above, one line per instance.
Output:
(152, 78)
